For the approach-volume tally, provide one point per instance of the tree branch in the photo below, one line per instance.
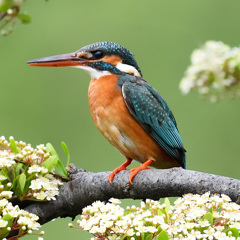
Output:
(87, 187)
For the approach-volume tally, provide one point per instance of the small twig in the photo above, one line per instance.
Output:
(2, 15)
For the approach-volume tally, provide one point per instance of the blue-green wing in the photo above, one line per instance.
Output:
(153, 113)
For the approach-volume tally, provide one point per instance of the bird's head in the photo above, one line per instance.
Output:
(98, 59)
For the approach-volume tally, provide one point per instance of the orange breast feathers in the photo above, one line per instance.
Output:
(113, 119)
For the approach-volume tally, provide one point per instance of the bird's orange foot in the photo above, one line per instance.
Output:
(118, 169)
(134, 171)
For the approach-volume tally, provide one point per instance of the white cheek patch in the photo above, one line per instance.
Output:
(94, 73)
(128, 69)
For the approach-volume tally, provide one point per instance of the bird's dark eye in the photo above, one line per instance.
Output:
(98, 54)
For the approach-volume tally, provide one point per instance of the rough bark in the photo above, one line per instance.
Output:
(87, 187)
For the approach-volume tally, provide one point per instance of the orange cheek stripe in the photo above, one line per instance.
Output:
(114, 60)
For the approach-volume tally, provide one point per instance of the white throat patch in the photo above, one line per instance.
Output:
(94, 73)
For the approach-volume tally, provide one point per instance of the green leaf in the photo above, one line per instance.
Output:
(22, 181)
(19, 150)
(60, 170)
(210, 209)
(163, 236)
(123, 237)
(4, 232)
(143, 236)
(14, 184)
(16, 187)
(19, 168)
(50, 163)
(5, 5)
(159, 212)
(168, 204)
(235, 232)
(219, 209)
(5, 173)
(65, 149)
(26, 188)
(4, 179)
(208, 216)
(12, 172)
(8, 218)
(167, 208)
(149, 236)
(13, 145)
(25, 17)
(159, 229)
(51, 150)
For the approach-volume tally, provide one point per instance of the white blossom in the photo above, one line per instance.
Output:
(214, 71)
(3, 223)
(37, 169)
(185, 220)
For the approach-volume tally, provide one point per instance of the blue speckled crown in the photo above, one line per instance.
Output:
(111, 48)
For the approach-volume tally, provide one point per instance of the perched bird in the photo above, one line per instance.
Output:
(128, 111)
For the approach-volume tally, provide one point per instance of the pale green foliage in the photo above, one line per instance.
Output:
(191, 217)
(214, 71)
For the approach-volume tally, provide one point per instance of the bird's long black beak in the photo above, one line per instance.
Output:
(63, 60)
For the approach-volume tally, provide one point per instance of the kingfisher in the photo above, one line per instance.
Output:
(126, 109)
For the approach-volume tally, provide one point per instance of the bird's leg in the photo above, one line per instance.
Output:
(118, 169)
(134, 171)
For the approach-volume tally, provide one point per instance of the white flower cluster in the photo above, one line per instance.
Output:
(28, 174)
(214, 71)
(25, 222)
(205, 217)
(43, 185)
(6, 158)
(27, 153)
(192, 217)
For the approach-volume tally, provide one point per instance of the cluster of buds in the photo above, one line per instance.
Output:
(192, 217)
(214, 71)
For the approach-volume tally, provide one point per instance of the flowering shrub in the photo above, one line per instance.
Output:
(26, 173)
(192, 217)
(11, 14)
(214, 71)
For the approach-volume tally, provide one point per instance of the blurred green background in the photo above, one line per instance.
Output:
(40, 105)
